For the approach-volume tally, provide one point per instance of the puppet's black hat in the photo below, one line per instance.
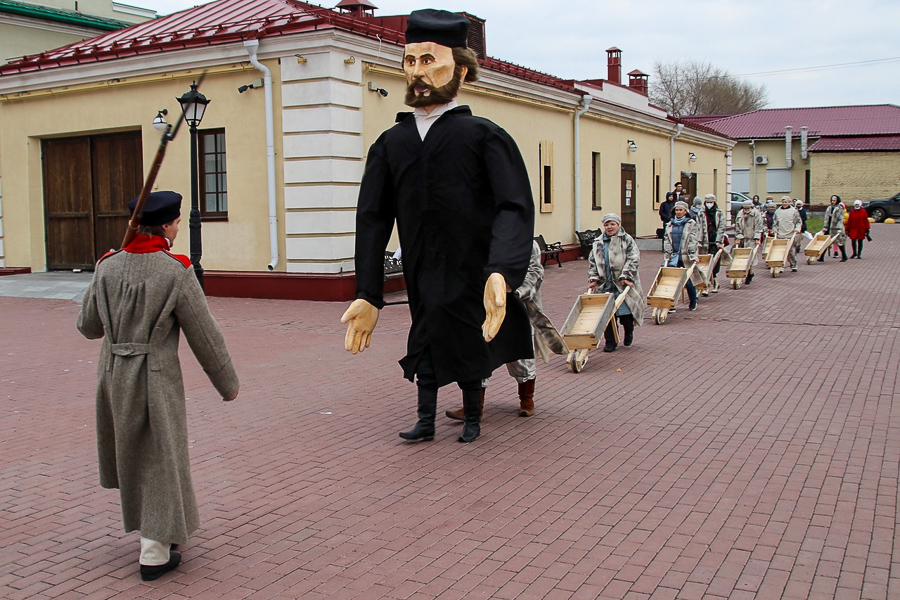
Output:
(438, 26)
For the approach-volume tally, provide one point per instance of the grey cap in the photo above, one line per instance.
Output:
(611, 217)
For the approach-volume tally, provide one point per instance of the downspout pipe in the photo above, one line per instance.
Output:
(252, 46)
(678, 129)
(788, 138)
(585, 105)
(804, 142)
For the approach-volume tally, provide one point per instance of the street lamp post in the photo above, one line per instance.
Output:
(193, 105)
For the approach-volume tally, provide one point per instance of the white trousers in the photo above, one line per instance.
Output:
(154, 553)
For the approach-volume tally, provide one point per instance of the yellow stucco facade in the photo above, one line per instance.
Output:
(326, 115)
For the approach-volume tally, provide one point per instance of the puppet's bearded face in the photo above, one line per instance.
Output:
(431, 73)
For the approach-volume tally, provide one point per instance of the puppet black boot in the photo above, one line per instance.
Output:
(843, 254)
(459, 414)
(526, 398)
(472, 424)
(424, 429)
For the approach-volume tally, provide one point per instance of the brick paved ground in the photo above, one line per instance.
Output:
(746, 450)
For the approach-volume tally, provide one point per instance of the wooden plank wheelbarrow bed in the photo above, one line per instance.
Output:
(817, 247)
(777, 258)
(666, 288)
(706, 264)
(586, 323)
(741, 265)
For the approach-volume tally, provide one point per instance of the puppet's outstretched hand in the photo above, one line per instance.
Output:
(362, 318)
(495, 291)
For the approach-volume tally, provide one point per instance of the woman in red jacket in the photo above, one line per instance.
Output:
(858, 228)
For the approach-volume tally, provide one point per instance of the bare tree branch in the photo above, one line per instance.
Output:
(698, 88)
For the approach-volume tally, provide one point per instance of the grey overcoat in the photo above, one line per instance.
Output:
(749, 225)
(624, 260)
(139, 303)
(834, 223)
(690, 247)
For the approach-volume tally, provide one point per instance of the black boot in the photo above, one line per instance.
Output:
(628, 325)
(472, 423)
(610, 337)
(152, 573)
(424, 429)
(843, 254)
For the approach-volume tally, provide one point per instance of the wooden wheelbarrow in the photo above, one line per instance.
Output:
(586, 323)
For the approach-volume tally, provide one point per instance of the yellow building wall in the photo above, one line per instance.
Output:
(241, 243)
(775, 152)
(530, 123)
(18, 40)
(854, 175)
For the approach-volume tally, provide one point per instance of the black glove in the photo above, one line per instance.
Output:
(868, 237)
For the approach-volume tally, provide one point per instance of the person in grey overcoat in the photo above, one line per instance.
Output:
(749, 230)
(834, 225)
(681, 248)
(613, 267)
(545, 337)
(140, 301)
(787, 223)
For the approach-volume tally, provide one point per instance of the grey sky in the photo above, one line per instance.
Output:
(568, 39)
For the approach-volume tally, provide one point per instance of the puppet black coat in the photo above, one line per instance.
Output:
(463, 207)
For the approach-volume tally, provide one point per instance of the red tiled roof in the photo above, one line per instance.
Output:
(871, 143)
(877, 119)
(695, 124)
(220, 22)
(228, 21)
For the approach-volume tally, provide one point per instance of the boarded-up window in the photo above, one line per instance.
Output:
(596, 201)
(740, 180)
(778, 181)
(545, 149)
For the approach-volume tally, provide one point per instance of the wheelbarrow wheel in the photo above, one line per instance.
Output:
(810, 260)
(659, 315)
(774, 271)
(576, 360)
(735, 284)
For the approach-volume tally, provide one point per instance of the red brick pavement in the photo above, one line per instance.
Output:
(747, 450)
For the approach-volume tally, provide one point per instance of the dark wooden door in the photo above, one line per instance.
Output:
(117, 174)
(67, 203)
(88, 181)
(628, 207)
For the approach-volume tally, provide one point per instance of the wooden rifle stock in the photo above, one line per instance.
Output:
(135, 221)
(168, 135)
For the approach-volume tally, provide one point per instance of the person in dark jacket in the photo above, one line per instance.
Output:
(457, 187)
(665, 209)
(798, 204)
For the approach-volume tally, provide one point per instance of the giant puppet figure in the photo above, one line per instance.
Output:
(457, 187)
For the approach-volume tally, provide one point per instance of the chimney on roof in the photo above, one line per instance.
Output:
(638, 81)
(476, 40)
(614, 65)
(356, 8)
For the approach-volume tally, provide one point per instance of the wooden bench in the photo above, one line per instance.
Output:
(549, 251)
(392, 266)
(586, 239)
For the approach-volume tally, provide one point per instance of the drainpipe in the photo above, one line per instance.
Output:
(678, 128)
(788, 159)
(804, 141)
(752, 144)
(585, 104)
(252, 46)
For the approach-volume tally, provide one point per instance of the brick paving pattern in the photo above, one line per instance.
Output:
(749, 449)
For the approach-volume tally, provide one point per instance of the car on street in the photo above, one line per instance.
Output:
(882, 209)
(737, 201)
